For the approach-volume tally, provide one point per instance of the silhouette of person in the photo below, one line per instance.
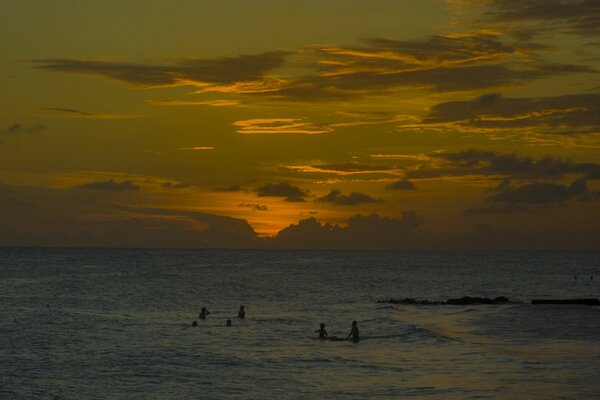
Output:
(322, 332)
(194, 323)
(228, 323)
(241, 313)
(203, 313)
(354, 332)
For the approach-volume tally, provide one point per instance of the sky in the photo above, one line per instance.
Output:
(381, 124)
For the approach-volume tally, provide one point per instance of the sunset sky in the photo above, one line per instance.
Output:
(432, 124)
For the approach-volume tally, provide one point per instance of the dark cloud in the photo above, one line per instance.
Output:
(581, 17)
(351, 167)
(34, 216)
(438, 79)
(217, 231)
(255, 207)
(177, 185)
(69, 111)
(480, 162)
(217, 71)
(111, 186)
(231, 188)
(354, 198)
(562, 114)
(283, 189)
(537, 193)
(361, 232)
(401, 185)
(508, 198)
(18, 128)
(452, 63)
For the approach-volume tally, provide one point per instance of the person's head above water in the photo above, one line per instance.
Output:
(228, 323)
(203, 309)
(322, 325)
(241, 307)
(354, 323)
(194, 323)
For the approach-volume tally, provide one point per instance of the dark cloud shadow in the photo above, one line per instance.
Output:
(19, 128)
(352, 199)
(580, 17)
(403, 184)
(361, 232)
(224, 70)
(569, 114)
(289, 192)
(110, 185)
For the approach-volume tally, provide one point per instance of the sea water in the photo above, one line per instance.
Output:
(117, 324)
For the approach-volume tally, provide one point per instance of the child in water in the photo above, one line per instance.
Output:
(228, 323)
(322, 332)
(241, 313)
(354, 332)
(203, 313)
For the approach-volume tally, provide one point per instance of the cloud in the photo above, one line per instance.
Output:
(361, 232)
(461, 62)
(354, 198)
(401, 185)
(110, 185)
(343, 169)
(231, 188)
(75, 113)
(537, 193)
(568, 114)
(481, 162)
(186, 72)
(68, 110)
(18, 128)
(283, 189)
(507, 198)
(270, 126)
(255, 207)
(184, 102)
(37, 216)
(197, 148)
(580, 17)
(176, 185)
(456, 62)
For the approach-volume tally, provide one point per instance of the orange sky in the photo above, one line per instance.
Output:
(388, 124)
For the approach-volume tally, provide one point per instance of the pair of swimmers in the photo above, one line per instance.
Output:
(354, 332)
(204, 312)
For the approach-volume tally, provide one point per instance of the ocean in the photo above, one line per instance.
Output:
(117, 324)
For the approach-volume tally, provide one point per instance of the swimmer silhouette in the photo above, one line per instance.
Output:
(228, 323)
(203, 313)
(322, 332)
(241, 313)
(354, 332)
(194, 323)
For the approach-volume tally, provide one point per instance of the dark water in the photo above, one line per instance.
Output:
(116, 324)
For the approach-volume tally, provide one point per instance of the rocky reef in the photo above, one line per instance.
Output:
(463, 301)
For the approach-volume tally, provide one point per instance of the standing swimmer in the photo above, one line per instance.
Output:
(203, 313)
(354, 332)
(322, 332)
(241, 313)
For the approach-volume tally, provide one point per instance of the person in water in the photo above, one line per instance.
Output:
(195, 323)
(228, 323)
(241, 313)
(203, 313)
(354, 332)
(322, 332)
